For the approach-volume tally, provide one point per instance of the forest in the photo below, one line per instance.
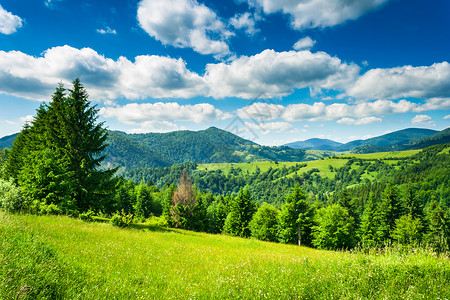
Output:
(56, 167)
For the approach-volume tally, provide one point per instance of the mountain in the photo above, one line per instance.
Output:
(397, 138)
(441, 137)
(212, 145)
(315, 144)
(7, 141)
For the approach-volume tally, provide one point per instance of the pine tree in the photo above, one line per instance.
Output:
(241, 212)
(369, 224)
(144, 201)
(184, 200)
(55, 159)
(388, 212)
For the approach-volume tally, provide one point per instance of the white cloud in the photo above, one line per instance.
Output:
(422, 120)
(107, 30)
(362, 121)
(9, 23)
(304, 43)
(148, 76)
(275, 74)
(184, 24)
(244, 21)
(26, 119)
(446, 117)
(158, 112)
(261, 111)
(407, 81)
(319, 13)
(364, 112)
(156, 126)
(266, 128)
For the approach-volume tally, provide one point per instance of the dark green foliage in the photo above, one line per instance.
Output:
(388, 212)
(216, 214)
(241, 212)
(185, 207)
(438, 220)
(264, 224)
(144, 201)
(56, 158)
(369, 224)
(295, 219)
(335, 228)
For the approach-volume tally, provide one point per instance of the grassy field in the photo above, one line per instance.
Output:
(62, 258)
(323, 165)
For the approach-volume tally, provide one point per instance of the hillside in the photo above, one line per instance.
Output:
(315, 144)
(212, 145)
(50, 257)
(397, 138)
(7, 141)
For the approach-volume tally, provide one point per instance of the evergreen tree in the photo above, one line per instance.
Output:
(295, 219)
(144, 201)
(438, 219)
(241, 212)
(388, 212)
(56, 158)
(369, 224)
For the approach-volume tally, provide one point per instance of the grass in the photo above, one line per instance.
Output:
(98, 261)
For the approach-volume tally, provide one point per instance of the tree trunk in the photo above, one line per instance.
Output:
(299, 235)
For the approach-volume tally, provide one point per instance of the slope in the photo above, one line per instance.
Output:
(315, 144)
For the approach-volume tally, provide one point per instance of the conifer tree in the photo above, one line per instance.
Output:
(144, 201)
(184, 200)
(388, 212)
(241, 212)
(369, 224)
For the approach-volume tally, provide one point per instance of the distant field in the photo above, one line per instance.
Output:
(323, 165)
(58, 257)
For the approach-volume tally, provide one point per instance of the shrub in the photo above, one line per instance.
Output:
(11, 198)
(87, 216)
(121, 220)
(50, 209)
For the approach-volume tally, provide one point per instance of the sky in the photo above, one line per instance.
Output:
(270, 71)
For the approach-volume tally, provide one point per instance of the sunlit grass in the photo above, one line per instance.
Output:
(154, 262)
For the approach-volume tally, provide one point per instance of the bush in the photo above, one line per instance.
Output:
(50, 209)
(121, 220)
(87, 216)
(11, 198)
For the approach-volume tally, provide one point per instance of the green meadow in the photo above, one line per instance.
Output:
(323, 165)
(48, 257)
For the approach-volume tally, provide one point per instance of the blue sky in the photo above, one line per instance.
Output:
(271, 71)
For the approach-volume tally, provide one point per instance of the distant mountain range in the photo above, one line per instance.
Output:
(315, 144)
(411, 138)
(215, 145)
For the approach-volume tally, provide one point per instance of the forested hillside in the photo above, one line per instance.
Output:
(212, 145)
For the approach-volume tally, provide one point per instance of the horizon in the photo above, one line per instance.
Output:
(270, 72)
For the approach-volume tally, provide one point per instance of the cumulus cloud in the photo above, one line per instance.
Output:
(364, 112)
(159, 112)
(266, 128)
(9, 23)
(304, 43)
(148, 76)
(275, 74)
(422, 120)
(107, 30)
(318, 13)
(184, 24)
(156, 126)
(362, 121)
(261, 111)
(406, 81)
(446, 117)
(245, 22)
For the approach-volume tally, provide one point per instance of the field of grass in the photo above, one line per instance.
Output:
(51, 257)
